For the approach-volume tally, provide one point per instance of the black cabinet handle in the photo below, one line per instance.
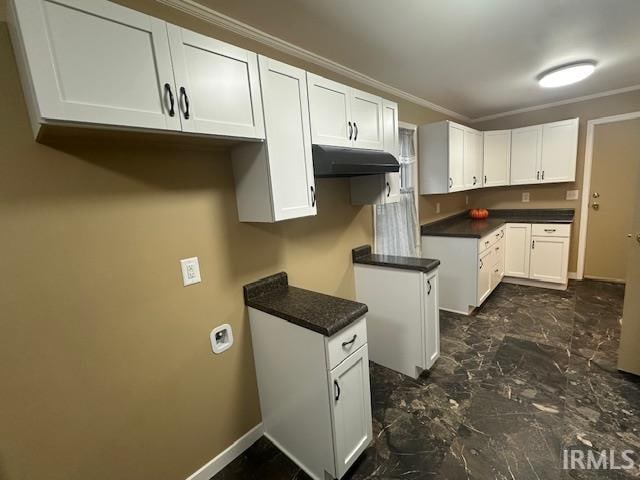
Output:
(350, 130)
(542, 174)
(485, 179)
(450, 182)
(429, 285)
(502, 236)
(475, 180)
(481, 264)
(346, 344)
(355, 127)
(538, 175)
(167, 89)
(183, 95)
(533, 245)
(549, 230)
(313, 196)
(388, 190)
(336, 387)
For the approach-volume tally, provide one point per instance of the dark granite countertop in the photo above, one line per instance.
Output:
(461, 225)
(364, 256)
(321, 313)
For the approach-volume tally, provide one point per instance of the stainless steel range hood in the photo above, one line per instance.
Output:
(350, 162)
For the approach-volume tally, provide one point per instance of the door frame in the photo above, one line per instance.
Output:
(586, 181)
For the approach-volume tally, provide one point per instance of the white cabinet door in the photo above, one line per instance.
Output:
(559, 151)
(351, 409)
(498, 264)
(549, 259)
(497, 158)
(517, 250)
(472, 159)
(92, 61)
(485, 270)
(284, 92)
(431, 320)
(218, 86)
(330, 112)
(526, 151)
(456, 159)
(366, 116)
(392, 146)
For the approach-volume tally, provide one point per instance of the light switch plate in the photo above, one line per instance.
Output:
(573, 194)
(190, 271)
(525, 197)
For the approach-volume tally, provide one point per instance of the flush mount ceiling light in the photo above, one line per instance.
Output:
(566, 74)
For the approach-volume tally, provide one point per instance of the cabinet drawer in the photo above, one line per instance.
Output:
(346, 341)
(551, 230)
(491, 239)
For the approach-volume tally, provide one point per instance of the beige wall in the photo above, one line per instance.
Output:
(553, 196)
(105, 363)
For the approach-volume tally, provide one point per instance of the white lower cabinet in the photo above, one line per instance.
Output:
(314, 392)
(274, 179)
(403, 327)
(485, 273)
(538, 253)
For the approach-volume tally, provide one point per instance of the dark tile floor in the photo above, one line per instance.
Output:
(530, 374)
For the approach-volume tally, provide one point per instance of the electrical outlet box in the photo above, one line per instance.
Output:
(525, 197)
(573, 194)
(190, 271)
(221, 338)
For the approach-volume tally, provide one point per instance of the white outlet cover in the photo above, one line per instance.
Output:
(190, 271)
(221, 338)
(573, 194)
(437, 207)
(525, 197)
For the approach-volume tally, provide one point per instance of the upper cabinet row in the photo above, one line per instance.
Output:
(97, 63)
(452, 156)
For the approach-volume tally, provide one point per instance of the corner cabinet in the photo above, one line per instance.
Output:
(342, 116)
(274, 179)
(96, 63)
(314, 392)
(497, 158)
(381, 189)
(450, 158)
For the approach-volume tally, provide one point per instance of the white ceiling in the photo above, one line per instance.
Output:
(475, 57)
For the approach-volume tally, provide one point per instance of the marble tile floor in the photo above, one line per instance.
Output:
(530, 374)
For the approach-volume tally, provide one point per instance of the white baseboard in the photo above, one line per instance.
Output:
(605, 279)
(573, 275)
(225, 457)
(535, 283)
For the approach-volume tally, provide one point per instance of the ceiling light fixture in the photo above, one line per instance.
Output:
(566, 74)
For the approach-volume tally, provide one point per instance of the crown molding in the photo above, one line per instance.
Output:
(556, 104)
(223, 21)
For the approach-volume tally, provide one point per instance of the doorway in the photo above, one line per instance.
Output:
(615, 162)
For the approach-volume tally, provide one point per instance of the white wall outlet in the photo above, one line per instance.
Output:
(221, 338)
(190, 271)
(573, 194)
(525, 197)
(437, 207)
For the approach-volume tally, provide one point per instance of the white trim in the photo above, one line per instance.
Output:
(586, 181)
(535, 283)
(572, 276)
(556, 104)
(240, 28)
(606, 279)
(224, 458)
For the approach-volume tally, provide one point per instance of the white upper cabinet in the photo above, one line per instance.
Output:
(450, 158)
(330, 107)
(342, 116)
(472, 159)
(381, 189)
(526, 152)
(218, 86)
(559, 151)
(366, 115)
(93, 62)
(274, 179)
(497, 158)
